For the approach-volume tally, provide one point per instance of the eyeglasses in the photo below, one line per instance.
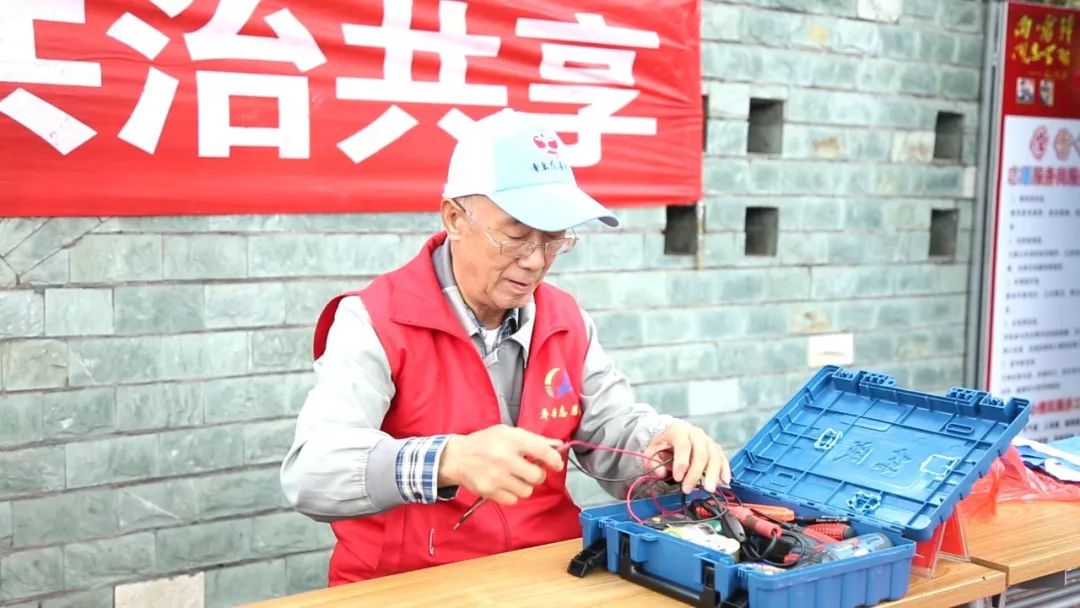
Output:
(520, 248)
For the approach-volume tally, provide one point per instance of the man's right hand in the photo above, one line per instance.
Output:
(500, 463)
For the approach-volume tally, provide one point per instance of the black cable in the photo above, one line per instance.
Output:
(803, 549)
(689, 509)
(763, 555)
(752, 553)
(726, 491)
(756, 556)
(577, 466)
(717, 513)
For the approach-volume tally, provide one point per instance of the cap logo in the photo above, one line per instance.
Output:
(547, 144)
(551, 165)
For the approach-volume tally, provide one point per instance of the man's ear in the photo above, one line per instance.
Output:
(451, 218)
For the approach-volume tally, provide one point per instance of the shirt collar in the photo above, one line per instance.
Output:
(516, 319)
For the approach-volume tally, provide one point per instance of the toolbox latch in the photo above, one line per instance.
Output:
(583, 563)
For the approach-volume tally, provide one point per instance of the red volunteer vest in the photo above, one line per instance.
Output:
(442, 386)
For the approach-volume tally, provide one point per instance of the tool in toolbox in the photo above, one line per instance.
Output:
(755, 523)
(773, 512)
(846, 549)
(779, 544)
(820, 519)
(739, 529)
(706, 536)
(866, 470)
(818, 534)
(835, 531)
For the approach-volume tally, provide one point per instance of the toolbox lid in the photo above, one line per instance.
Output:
(852, 443)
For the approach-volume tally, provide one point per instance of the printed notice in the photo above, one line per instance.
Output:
(1035, 343)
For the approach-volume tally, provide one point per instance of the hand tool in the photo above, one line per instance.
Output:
(821, 519)
(852, 547)
(468, 512)
(837, 531)
(772, 511)
(750, 521)
(561, 447)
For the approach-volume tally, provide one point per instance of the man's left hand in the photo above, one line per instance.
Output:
(695, 458)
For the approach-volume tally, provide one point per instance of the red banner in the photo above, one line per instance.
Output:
(1042, 69)
(169, 107)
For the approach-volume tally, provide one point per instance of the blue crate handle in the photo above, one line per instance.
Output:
(634, 574)
(631, 571)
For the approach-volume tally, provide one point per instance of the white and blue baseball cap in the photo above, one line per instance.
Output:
(517, 161)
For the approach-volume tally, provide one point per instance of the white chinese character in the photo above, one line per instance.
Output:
(143, 128)
(19, 63)
(597, 75)
(451, 43)
(220, 38)
(217, 135)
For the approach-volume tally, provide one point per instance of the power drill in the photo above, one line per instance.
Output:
(852, 547)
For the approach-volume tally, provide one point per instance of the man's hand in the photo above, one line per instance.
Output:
(693, 456)
(500, 463)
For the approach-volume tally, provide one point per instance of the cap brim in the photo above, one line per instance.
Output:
(552, 207)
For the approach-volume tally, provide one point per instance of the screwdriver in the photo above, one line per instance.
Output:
(835, 530)
(773, 512)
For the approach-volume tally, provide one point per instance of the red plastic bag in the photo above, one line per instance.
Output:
(980, 503)
(1010, 479)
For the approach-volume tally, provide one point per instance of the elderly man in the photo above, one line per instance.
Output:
(463, 376)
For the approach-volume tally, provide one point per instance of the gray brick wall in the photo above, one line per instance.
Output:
(151, 368)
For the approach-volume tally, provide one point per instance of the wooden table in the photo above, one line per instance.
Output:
(537, 577)
(1027, 540)
(954, 583)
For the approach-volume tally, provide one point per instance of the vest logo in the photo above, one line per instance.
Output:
(557, 383)
(560, 412)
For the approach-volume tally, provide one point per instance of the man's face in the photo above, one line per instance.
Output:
(492, 281)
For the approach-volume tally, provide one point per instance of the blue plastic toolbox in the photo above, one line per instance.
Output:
(848, 444)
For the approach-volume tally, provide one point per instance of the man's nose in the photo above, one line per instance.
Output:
(536, 259)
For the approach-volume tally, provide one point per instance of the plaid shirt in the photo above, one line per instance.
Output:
(507, 329)
(415, 472)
